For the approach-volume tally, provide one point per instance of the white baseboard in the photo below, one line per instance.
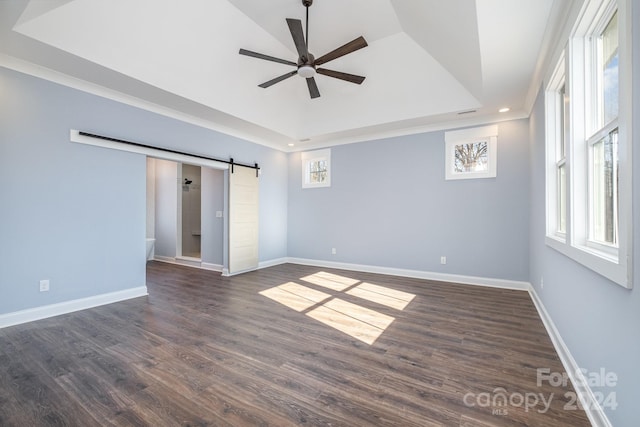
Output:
(594, 411)
(217, 267)
(261, 264)
(188, 262)
(273, 262)
(31, 314)
(416, 274)
(210, 266)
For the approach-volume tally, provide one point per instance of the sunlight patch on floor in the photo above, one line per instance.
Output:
(382, 295)
(304, 292)
(354, 320)
(358, 322)
(331, 281)
(294, 296)
(366, 315)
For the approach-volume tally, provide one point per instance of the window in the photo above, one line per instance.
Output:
(471, 157)
(316, 168)
(557, 107)
(603, 190)
(471, 153)
(588, 148)
(603, 143)
(561, 163)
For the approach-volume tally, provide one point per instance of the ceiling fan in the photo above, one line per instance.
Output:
(307, 64)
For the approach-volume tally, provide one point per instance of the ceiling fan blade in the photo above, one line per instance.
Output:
(278, 79)
(342, 76)
(266, 57)
(313, 88)
(295, 26)
(352, 46)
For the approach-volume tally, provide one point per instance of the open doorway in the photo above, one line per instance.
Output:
(185, 213)
(190, 217)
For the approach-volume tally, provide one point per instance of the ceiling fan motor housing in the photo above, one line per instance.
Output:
(310, 59)
(307, 3)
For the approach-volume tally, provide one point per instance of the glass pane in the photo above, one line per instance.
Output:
(471, 157)
(563, 108)
(604, 189)
(609, 71)
(317, 171)
(562, 199)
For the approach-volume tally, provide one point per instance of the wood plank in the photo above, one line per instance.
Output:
(203, 349)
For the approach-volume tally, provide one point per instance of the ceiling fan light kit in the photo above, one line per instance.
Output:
(306, 71)
(307, 64)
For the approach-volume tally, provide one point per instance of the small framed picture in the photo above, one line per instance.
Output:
(471, 153)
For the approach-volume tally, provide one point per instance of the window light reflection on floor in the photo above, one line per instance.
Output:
(295, 296)
(354, 320)
(331, 281)
(358, 322)
(382, 295)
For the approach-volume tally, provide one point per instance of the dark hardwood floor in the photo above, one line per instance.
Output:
(206, 350)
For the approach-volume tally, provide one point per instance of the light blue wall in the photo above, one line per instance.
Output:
(598, 319)
(389, 205)
(69, 213)
(76, 214)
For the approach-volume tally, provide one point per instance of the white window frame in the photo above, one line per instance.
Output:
(601, 247)
(488, 134)
(309, 157)
(557, 132)
(614, 263)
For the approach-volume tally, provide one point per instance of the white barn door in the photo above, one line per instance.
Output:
(243, 219)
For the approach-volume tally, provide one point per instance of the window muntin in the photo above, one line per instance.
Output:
(317, 171)
(316, 168)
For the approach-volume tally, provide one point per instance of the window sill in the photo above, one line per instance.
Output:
(614, 268)
(560, 237)
(321, 185)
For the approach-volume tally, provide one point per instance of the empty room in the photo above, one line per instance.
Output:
(319, 213)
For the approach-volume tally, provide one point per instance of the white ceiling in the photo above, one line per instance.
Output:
(427, 61)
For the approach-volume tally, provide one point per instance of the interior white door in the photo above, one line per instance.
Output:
(243, 219)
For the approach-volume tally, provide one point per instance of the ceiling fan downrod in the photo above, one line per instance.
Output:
(307, 4)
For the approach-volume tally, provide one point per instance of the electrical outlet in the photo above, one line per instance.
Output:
(218, 214)
(44, 285)
(333, 251)
(443, 260)
(541, 282)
